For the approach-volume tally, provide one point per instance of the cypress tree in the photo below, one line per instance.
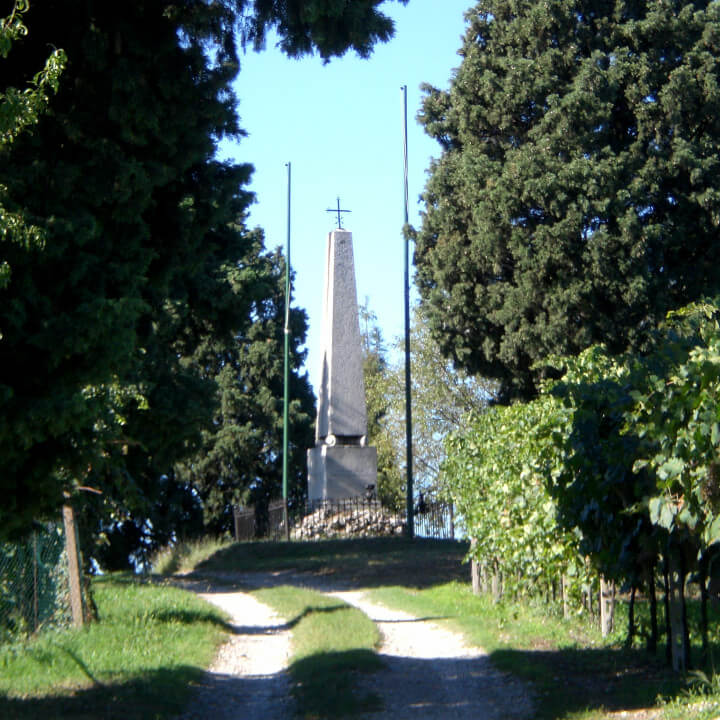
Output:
(577, 197)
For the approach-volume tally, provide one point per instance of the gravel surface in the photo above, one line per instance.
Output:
(430, 672)
(248, 679)
(433, 674)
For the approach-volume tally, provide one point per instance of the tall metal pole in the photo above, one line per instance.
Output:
(286, 403)
(408, 397)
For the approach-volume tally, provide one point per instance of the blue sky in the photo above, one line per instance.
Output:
(340, 126)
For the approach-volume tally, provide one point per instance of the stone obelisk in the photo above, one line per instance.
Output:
(341, 465)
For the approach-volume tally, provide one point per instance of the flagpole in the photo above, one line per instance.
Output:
(286, 399)
(410, 530)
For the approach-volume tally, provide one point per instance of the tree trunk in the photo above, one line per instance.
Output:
(704, 609)
(607, 606)
(73, 556)
(566, 609)
(668, 629)
(678, 651)
(496, 584)
(653, 638)
(687, 659)
(631, 619)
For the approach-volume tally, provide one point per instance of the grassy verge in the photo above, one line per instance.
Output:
(355, 563)
(331, 643)
(184, 556)
(138, 661)
(574, 672)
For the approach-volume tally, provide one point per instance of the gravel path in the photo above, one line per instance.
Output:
(433, 674)
(248, 679)
(430, 672)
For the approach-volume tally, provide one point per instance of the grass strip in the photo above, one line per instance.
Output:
(139, 660)
(183, 556)
(574, 672)
(358, 562)
(331, 643)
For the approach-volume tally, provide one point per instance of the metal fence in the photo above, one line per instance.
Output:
(352, 517)
(435, 520)
(33, 584)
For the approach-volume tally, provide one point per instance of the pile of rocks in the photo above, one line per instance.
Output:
(336, 521)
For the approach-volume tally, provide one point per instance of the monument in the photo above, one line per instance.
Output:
(341, 465)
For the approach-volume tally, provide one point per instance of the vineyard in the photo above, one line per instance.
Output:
(605, 484)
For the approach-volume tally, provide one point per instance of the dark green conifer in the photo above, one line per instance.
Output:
(145, 258)
(577, 197)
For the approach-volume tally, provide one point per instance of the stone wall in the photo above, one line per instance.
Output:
(344, 520)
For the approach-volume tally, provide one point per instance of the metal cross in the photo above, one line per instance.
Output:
(338, 211)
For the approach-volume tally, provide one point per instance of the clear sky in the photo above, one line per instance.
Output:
(340, 127)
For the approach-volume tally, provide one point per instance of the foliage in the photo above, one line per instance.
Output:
(642, 449)
(496, 471)
(240, 458)
(624, 451)
(577, 196)
(119, 329)
(441, 396)
(592, 480)
(380, 406)
(19, 110)
(676, 415)
(331, 28)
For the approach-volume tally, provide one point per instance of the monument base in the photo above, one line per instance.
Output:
(336, 472)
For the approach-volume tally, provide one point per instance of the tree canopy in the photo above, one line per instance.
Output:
(442, 398)
(119, 326)
(577, 197)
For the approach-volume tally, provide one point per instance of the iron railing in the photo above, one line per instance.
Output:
(351, 517)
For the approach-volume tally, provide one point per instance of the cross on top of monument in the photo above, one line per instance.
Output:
(338, 211)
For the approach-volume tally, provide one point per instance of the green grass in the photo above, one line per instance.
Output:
(184, 556)
(331, 643)
(150, 644)
(574, 672)
(354, 563)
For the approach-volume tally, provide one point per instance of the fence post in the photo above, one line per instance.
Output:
(71, 547)
(474, 569)
(607, 606)
(36, 562)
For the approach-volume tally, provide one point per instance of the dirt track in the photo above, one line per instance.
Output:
(429, 673)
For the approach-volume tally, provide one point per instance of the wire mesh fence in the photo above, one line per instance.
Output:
(352, 517)
(34, 584)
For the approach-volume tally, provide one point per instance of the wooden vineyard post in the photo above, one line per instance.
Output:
(73, 555)
(607, 606)
(474, 570)
(678, 649)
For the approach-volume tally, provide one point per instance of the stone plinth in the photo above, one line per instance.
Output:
(340, 471)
